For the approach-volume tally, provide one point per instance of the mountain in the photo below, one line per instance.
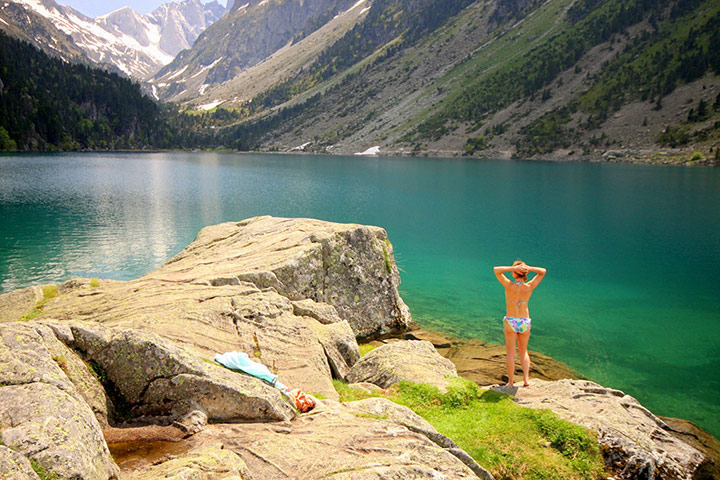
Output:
(50, 104)
(172, 27)
(562, 79)
(137, 45)
(25, 24)
(247, 35)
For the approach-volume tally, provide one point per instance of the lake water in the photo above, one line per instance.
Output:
(633, 253)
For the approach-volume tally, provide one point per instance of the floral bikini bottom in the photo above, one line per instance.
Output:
(519, 324)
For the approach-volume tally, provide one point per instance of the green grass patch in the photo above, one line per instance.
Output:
(49, 292)
(370, 415)
(42, 472)
(94, 282)
(365, 348)
(512, 442)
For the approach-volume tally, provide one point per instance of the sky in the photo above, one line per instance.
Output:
(93, 8)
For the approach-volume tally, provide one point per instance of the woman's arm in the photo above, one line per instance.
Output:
(499, 271)
(539, 275)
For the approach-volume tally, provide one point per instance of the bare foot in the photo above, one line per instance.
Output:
(510, 384)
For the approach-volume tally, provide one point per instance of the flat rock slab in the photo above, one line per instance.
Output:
(156, 377)
(411, 360)
(636, 444)
(330, 442)
(206, 462)
(18, 303)
(208, 320)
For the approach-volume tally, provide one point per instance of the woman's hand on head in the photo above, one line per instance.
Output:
(521, 269)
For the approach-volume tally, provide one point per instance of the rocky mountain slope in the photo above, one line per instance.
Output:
(554, 79)
(136, 45)
(250, 33)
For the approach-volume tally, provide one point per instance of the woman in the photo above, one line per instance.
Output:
(517, 318)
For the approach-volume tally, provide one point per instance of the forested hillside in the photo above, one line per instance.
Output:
(49, 104)
(634, 80)
(521, 78)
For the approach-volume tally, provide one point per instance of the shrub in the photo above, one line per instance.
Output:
(697, 157)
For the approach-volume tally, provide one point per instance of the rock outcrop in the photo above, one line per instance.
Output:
(254, 286)
(350, 267)
(413, 361)
(131, 360)
(334, 441)
(154, 377)
(636, 444)
(43, 416)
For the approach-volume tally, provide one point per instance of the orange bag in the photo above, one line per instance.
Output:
(302, 401)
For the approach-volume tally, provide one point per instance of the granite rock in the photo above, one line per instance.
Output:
(411, 360)
(155, 377)
(14, 466)
(43, 415)
(348, 266)
(206, 462)
(635, 443)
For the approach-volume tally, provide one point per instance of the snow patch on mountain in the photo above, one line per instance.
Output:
(138, 45)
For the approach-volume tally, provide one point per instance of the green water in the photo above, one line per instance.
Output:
(633, 253)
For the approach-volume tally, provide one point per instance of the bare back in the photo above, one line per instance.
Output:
(517, 296)
(518, 293)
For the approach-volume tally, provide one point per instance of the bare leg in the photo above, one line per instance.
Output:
(523, 339)
(510, 339)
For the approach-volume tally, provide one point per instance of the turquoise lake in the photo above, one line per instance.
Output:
(633, 253)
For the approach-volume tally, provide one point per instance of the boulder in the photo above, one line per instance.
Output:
(14, 466)
(410, 360)
(60, 433)
(155, 377)
(338, 341)
(43, 416)
(206, 462)
(635, 443)
(348, 266)
(208, 320)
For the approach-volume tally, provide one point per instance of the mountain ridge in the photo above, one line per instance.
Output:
(123, 40)
(539, 76)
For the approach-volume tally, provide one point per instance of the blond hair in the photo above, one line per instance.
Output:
(521, 277)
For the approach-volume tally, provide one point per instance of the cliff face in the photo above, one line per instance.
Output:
(117, 363)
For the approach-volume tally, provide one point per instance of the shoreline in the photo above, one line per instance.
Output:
(473, 357)
(649, 157)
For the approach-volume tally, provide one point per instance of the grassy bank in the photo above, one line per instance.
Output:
(512, 442)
